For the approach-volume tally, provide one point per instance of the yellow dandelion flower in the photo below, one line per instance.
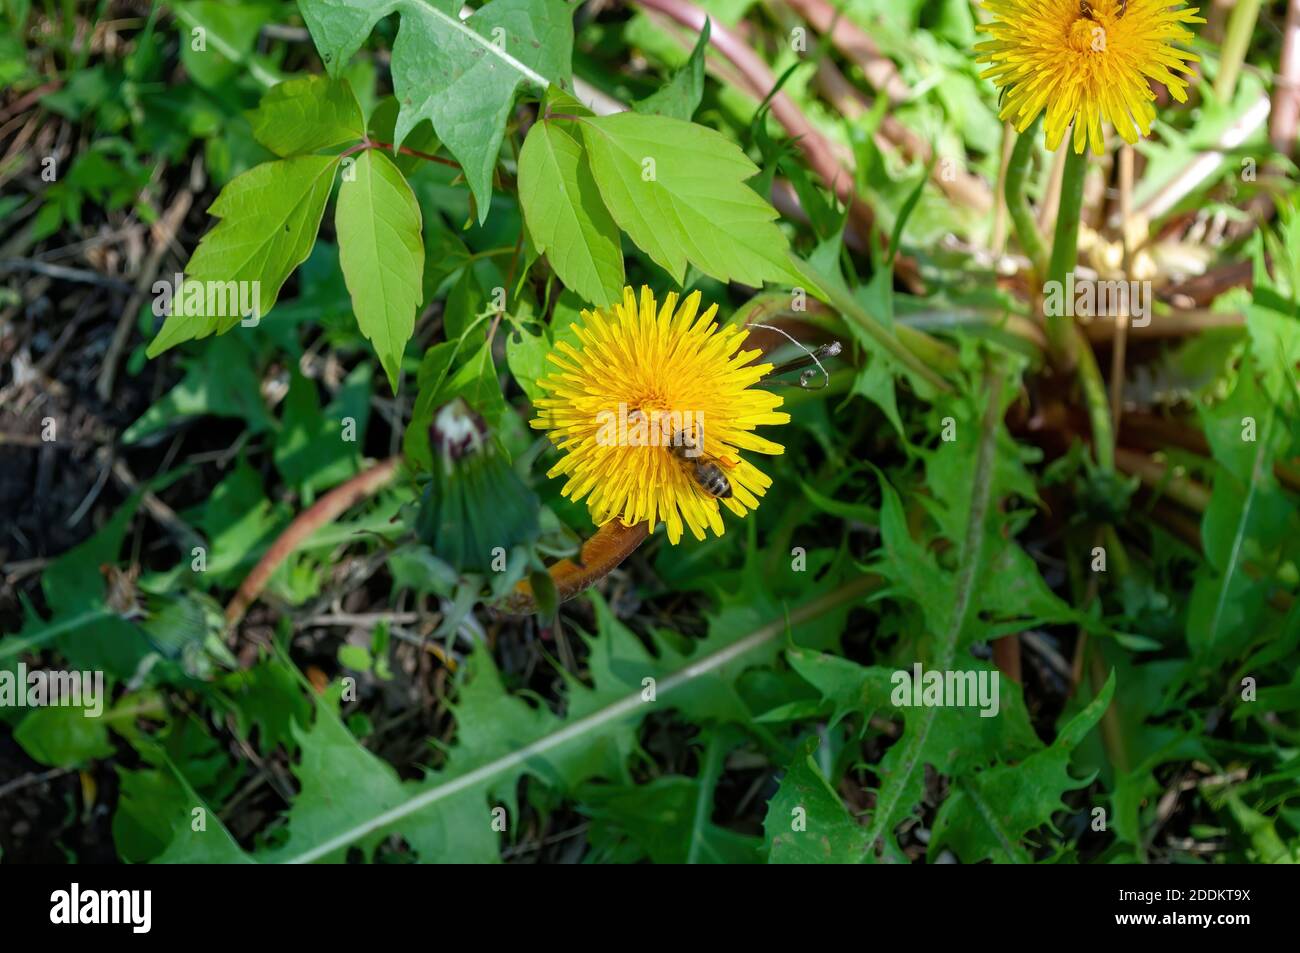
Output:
(1084, 61)
(643, 377)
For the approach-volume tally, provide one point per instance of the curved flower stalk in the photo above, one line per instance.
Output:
(627, 404)
(1085, 61)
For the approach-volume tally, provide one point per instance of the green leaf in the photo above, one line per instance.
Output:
(381, 252)
(968, 477)
(679, 191)
(63, 737)
(308, 114)
(238, 520)
(681, 95)
(657, 818)
(526, 355)
(1267, 846)
(566, 217)
(194, 843)
(1004, 590)
(847, 685)
(266, 697)
(317, 448)
(269, 219)
(806, 823)
(217, 39)
(1249, 519)
(221, 380)
(461, 75)
(82, 627)
(952, 740)
(989, 814)
(144, 799)
(355, 657)
(670, 818)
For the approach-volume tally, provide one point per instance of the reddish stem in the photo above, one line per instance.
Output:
(324, 511)
(427, 156)
(365, 144)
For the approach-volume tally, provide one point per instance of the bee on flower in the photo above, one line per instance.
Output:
(1085, 62)
(683, 380)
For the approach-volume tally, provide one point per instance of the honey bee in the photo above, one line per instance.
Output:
(1120, 9)
(706, 471)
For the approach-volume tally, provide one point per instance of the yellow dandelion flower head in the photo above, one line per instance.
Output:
(1084, 61)
(625, 405)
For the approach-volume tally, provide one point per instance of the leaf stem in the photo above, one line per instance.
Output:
(408, 151)
(369, 143)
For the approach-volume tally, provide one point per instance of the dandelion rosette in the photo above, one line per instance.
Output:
(642, 373)
(1085, 61)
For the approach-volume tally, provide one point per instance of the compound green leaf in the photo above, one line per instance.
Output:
(461, 75)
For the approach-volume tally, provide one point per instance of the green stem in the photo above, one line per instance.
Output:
(1069, 348)
(1022, 216)
(1065, 251)
(1241, 27)
(16, 645)
(1094, 394)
